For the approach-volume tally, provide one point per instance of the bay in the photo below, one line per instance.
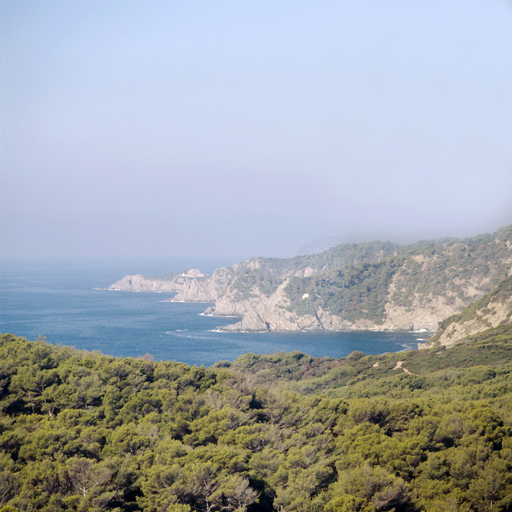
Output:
(62, 302)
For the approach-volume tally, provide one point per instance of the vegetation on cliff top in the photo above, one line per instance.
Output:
(266, 274)
(450, 269)
(354, 292)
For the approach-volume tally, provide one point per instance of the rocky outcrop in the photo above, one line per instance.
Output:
(491, 311)
(208, 289)
(275, 314)
(172, 282)
(372, 286)
(415, 289)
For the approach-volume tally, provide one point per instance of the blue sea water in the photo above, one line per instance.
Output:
(63, 303)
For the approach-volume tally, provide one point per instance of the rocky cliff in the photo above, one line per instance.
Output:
(248, 284)
(171, 282)
(489, 312)
(414, 288)
(370, 286)
(208, 289)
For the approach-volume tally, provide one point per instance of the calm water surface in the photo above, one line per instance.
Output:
(61, 303)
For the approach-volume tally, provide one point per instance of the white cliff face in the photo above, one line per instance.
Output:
(166, 283)
(196, 291)
(492, 311)
(496, 314)
(274, 313)
(194, 272)
(231, 301)
(420, 315)
(140, 283)
(206, 289)
(255, 311)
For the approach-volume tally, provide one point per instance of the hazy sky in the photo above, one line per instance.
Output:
(241, 128)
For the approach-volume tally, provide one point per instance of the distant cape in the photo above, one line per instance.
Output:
(352, 286)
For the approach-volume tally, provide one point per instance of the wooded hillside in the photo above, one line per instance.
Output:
(83, 431)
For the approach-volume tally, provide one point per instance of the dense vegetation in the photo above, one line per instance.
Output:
(354, 292)
(427, 372)
(83, 431)
(446, 268)
(266, 274)
(439, 267)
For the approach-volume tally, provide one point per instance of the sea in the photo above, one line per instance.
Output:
(66, 304)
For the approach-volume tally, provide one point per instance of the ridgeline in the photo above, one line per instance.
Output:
(368, 286)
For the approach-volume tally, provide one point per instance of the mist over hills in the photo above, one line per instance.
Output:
(323, 244)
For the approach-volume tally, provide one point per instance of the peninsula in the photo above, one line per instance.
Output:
(366, 286)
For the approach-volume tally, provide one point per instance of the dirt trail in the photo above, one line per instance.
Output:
(399, 366)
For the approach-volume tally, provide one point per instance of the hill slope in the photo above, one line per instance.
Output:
(260, 277)
(491, 311)
(82, 431)
(415, 287)
(369, 286)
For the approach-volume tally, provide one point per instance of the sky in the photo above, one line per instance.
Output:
(234, 128)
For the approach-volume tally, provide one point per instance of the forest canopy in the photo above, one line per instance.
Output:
(84, 431)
